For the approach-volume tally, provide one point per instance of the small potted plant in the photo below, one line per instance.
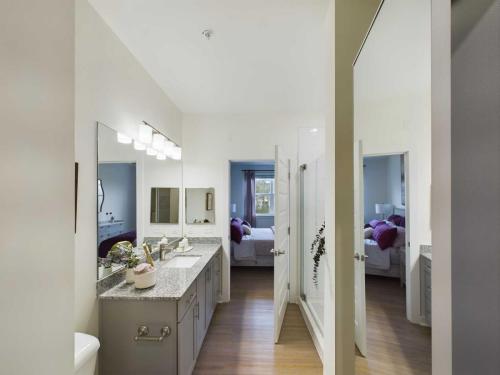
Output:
(123, 253)
(131, 260)
(318, 250)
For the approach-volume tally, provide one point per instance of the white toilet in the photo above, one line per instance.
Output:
(86, 347)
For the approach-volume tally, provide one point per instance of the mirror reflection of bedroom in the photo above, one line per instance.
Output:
(389, 334)
(252, 204)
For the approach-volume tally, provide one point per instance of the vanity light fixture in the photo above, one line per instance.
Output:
(122, 138)
(151, 151)
(139, 146)
(145, 134)
(151, 140)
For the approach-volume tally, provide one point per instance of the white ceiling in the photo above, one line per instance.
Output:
(264, 56)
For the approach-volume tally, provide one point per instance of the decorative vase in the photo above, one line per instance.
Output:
(129, 276)
(145, 280)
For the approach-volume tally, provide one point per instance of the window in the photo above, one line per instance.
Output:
(264, 196)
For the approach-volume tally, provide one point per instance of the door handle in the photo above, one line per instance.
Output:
(361, 257)
(277, 252)
(143, 334)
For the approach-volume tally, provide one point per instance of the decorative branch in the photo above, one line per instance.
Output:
(318, 249)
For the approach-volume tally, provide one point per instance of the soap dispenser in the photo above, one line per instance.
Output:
(184, 243)
(163, 247)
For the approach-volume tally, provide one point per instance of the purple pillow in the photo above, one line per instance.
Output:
(374, 223)
(236, 231)
(385, 235)
(397, 220)
(237, 220)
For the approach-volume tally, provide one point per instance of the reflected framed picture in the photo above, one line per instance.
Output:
(209, 201)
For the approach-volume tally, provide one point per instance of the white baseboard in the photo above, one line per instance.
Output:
(312, 326)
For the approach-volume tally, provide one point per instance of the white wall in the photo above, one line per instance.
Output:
(392, 111)
(211, 141)
(37, 189)
(111, 87)
(375, 185)
(382, 183)
(394, 180)
(441, 187)
(475, 186)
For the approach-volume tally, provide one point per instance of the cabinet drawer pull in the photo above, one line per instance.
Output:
(143, 334)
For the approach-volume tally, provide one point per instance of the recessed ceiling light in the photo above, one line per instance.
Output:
(314, 130)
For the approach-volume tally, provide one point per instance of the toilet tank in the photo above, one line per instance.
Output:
(86, 347)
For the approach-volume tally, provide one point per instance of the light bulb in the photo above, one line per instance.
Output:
(158, 142)
(145, 134)
(122, 138)
(168, 148)
(139, 146)
(176, 153)
(161, 157)
(151, 151)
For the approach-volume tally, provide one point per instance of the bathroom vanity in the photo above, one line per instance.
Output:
(160, 330)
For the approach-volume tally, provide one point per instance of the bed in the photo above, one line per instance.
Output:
(389, 260)
(254, 249)
(382, 262)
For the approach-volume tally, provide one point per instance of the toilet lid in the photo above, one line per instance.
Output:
(86, 347)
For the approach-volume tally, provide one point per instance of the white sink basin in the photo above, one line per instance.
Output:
(183, 261)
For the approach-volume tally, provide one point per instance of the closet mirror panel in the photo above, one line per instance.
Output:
(200, 206)
(138, 199)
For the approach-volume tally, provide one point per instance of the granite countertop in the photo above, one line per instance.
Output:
(426, 251)
(171, 283)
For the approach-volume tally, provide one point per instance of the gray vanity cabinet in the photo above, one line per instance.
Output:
(121, 354)
(200, 311)
(209, 292)
(425, 288)
(187, 341)
(188, 319)
(217, 277)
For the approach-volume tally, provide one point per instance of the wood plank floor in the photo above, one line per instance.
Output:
(240, 338)
(395, 346)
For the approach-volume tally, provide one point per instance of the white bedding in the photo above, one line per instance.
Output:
(260, 242)
(377, 258)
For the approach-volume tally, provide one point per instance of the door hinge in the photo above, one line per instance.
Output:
(289, 175)
(288, 286)
(288, 230)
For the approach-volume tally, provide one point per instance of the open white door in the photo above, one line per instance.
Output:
(359, 252)
(281, 240)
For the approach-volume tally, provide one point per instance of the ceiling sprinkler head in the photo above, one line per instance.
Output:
(207, 33)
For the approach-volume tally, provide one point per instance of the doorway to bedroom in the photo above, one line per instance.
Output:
(251, 217)
(388, 338)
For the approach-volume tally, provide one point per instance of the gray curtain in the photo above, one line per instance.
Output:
(250, 214)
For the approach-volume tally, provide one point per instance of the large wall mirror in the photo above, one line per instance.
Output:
(200, 206)
(138, 197)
